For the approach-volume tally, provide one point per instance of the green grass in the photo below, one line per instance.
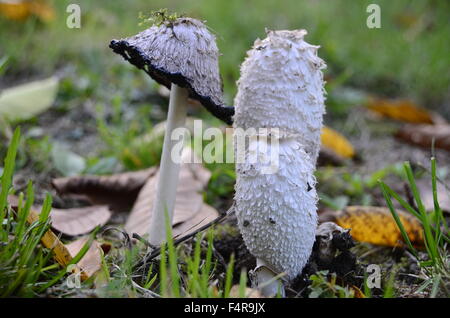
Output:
(194, 274)
(26, 267)
(22, 262)
(325, 286)
(436, 265)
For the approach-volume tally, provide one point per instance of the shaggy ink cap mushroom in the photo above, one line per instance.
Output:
(182, 52)
(281, 87)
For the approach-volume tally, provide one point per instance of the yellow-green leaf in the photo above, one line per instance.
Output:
(337, 143)
(28, 100)
(376, 225)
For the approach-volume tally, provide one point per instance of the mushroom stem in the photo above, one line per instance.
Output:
(169, 169)
(265, 280)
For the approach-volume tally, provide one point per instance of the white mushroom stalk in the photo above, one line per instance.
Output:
(169, 169)
(281, 87)
(182, 55)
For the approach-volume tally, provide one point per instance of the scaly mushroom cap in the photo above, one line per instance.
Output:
(281, 86)
(183, 52)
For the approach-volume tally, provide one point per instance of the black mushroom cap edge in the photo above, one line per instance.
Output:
(136, 57)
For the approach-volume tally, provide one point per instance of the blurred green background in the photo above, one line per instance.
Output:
(407, 57)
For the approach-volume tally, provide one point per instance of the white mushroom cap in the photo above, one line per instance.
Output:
(281, 86)
(182, 52)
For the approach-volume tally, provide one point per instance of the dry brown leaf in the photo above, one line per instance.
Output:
(190, 211)
(336, 143)
(376, 225)
(21, 10)
(423, 135)
(118, 191)
(206, 214)
(402, 110)
(91, 262)
(64, 254)
(77, 221)
(51, 241)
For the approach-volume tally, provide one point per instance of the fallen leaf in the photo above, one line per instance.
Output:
(423, 135)
(20, 10)
(357, 292)
(91, 262)
(118, 191)
(77, 221)
(17, 11)
(190, 211)
(74, 221)
(376, 225)
(28, 100)
(206, 214)
(66, 161)
(51, 241)
(336, 143)
(402, 110)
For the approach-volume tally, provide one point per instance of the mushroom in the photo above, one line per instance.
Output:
(281, 88)
(182, 55)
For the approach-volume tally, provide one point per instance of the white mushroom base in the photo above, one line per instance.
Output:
(277, 212)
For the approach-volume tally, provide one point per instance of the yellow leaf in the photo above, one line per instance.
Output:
(21, 10)
(51, 241)
(376, 225)
(63, 254)
(357, 292)
(401, 110)
(17, 11)
(91, 262)
(337, 143)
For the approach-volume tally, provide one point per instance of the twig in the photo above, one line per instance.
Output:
(145, 291)
(143, 240)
